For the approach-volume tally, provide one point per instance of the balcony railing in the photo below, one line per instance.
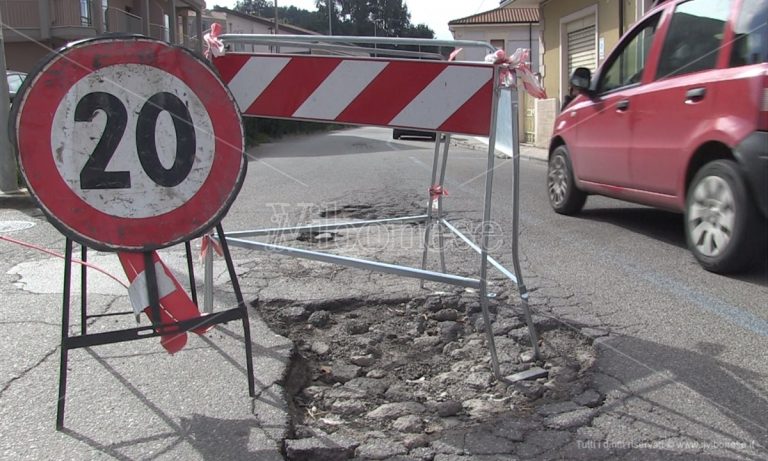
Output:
(68, 13)
(123, 21)
(158, 31)
(71, 19)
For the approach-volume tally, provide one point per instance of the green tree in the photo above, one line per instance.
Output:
(322, 10)
(383, 18)
(252, 7)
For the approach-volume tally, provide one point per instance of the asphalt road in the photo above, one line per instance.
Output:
(684, 366)
(682, 352)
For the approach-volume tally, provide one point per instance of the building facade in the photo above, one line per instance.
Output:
(506, 29)
(33, 28)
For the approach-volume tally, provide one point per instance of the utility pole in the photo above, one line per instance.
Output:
(376, 34)
(277, 28)
(329, 3)
(8, 181)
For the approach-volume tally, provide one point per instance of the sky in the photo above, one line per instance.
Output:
(433, 13)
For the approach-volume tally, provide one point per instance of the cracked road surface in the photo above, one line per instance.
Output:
(681, 352)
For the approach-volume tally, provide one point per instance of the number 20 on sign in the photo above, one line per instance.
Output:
(129, 143)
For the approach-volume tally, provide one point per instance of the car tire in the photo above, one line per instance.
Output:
(564, 197)
(723, 228)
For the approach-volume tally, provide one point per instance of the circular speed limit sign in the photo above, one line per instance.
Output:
(129, 143)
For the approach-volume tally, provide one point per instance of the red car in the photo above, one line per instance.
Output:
(677, 118)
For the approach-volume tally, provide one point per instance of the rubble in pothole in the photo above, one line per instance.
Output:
(397, 376)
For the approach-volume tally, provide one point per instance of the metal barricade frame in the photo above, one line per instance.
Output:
(432, 217)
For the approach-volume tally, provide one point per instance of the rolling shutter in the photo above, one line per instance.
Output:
(581, 49)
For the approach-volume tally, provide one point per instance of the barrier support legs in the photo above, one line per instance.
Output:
(445, 142)
(532, 334)
(86, 339)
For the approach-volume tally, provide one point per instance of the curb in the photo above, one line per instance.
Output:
(480, 146)
(18, 199)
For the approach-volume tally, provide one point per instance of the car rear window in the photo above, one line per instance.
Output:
(750, 45)
(694, 37)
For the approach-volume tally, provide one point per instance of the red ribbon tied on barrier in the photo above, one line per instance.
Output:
(208, 243)
(213, 46)
(436, 191)
(517, 66)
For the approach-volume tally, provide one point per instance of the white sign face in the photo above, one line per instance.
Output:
(128, 149)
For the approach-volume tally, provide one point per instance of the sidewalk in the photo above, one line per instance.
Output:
(526, 151)
(126, 400)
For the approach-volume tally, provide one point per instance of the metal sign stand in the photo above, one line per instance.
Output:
(144, 204)
(85, 339)
(432, 217)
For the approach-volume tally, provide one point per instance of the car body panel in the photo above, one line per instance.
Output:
(659, 153)
(646, 152)
(600, 152)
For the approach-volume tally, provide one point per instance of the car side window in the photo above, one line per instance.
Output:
(694, 37)
(750, 42)
(628, 65)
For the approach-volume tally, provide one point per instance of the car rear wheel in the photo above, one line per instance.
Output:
(564, 196)
(723, 228)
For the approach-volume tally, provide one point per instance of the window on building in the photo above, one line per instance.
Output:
(85, 13)
(695, 34)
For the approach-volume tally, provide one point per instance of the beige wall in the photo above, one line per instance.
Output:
(550, 17)
(513, 36)
(607, 24)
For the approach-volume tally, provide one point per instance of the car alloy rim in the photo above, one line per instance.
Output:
(711, 216)
(557, 180)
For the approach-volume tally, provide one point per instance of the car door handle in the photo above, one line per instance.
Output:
(622, 105)
(695, 95)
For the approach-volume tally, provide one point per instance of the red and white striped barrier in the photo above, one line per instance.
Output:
(427, 95)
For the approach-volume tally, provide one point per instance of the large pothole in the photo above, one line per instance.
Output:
(408, 371)
(385, 376)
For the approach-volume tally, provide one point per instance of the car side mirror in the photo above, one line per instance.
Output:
(581, 79)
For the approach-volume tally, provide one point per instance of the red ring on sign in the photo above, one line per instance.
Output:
(34, 115)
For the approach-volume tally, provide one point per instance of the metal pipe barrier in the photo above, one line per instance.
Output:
(453, 99)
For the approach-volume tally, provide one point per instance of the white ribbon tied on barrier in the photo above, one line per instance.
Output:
(517, 66)
(213, 45)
